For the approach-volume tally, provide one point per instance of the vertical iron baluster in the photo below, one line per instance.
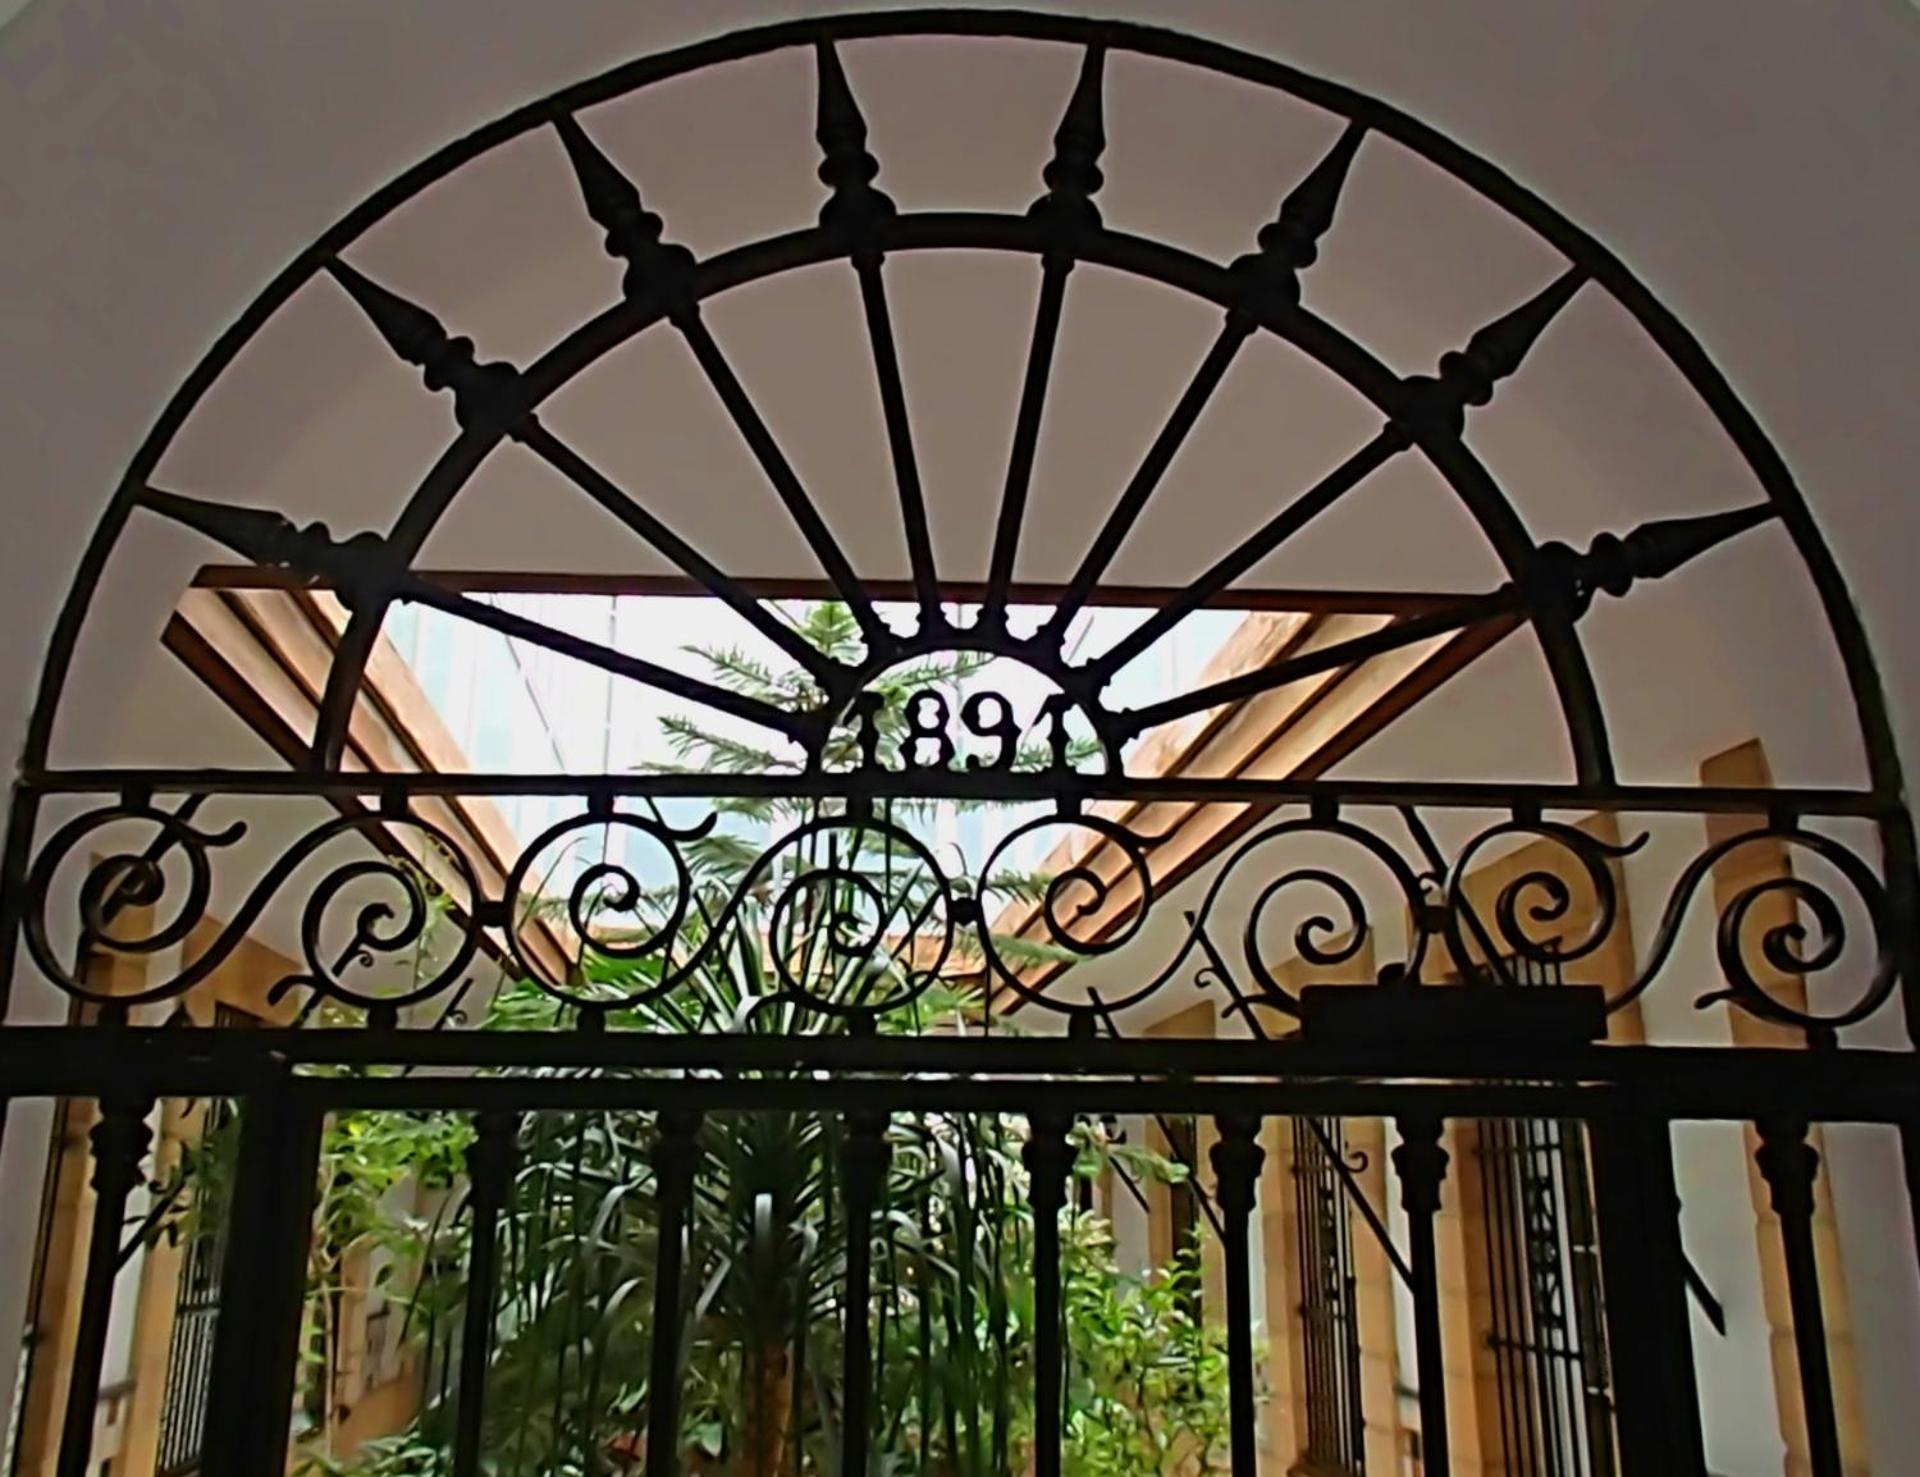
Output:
(1303, 1254)
(1422, 1165)
(1047, 1156)
(865, 1163)
(1559, 1292)
(676, 1153)
(1910, 1157)
(263, 1283)
(119, 1141)
(489, 1174)
(923, 1284)
(1789, 1163)
(1237, 1157)
(1638, 1214)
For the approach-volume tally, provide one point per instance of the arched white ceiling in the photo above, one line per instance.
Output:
(1754, 164)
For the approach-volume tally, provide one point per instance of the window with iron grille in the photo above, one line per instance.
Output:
(196, 1307)
(1542, 1255)
(1329, 1315)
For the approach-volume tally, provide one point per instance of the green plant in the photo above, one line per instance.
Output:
(367, 1156)
(1148, 1381)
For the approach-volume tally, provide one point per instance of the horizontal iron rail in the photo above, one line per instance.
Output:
(1131, 1076)
(1284, 599)
(1013, 789)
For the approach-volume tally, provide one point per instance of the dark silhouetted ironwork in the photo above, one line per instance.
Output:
(82, 842)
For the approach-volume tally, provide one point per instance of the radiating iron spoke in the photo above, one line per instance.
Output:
(663, 272)
(1270, 280)
(1559, 584)
(636, 669)
(906, 469)
(609, 495)
(857, 209)
(1146, 479)
(1277, 530)
(1473, 611)
(1432, 405)
(357, 568)
(1026, 441)
(1065, 212)
(785, 481)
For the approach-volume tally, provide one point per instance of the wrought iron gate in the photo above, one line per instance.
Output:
(846, 950)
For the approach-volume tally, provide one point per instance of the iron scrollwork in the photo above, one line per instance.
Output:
(857, 915)
(852, 914)
(119, 890)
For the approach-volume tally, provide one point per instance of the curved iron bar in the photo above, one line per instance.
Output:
(1308, 936)
(841, 928)
(1781, 945)
(1546, 896)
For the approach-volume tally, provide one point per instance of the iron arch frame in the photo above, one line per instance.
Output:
(1152, 260)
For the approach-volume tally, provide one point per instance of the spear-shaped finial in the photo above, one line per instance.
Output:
(1468, 376)
(846, 166)
(1497, 350)
(1564, 581)
(484, 395)
(353, 566)
(1291, 243)
(1654, 550)
(409, 329)
(633, 233)
(1073, 174)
